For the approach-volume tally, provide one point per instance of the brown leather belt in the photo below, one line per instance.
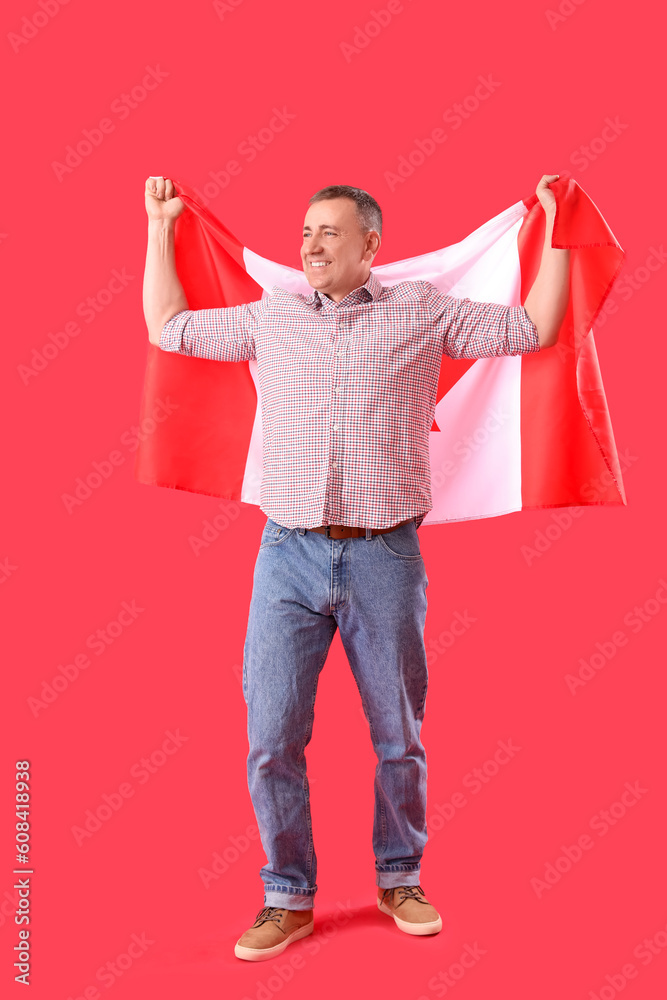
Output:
(346, 531)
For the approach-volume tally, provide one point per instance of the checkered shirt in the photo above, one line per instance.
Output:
(348, 390)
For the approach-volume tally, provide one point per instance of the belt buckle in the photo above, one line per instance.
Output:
(326, 530)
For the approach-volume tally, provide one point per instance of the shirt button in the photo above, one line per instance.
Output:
(335, 427)
(334, 465)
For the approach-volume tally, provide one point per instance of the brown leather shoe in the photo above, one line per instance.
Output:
(415, 914)
(274, 928)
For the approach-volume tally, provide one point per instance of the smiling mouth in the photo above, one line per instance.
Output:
(323, 263)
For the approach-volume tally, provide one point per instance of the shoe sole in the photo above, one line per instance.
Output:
(262, 954)
(430, 927)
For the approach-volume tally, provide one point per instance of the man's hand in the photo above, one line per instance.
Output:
(546, 302)
(163, 293)
(544, 193)
(161, 202)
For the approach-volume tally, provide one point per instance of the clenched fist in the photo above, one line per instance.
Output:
(161, 202)
(545, 195)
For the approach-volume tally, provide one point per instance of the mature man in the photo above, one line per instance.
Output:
(348, 379)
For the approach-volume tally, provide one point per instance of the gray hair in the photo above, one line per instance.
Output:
(369, 212)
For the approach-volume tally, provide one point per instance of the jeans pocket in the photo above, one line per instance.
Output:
(273, 534)
(402, 543)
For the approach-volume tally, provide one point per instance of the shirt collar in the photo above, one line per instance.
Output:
(371, 289)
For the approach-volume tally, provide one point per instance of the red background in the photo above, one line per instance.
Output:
(177, 666)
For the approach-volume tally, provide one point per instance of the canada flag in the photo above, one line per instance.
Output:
(510, 433)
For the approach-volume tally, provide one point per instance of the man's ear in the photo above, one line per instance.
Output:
(372, 244)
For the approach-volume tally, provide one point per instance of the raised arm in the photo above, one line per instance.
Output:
(163, 294)
(546, 302)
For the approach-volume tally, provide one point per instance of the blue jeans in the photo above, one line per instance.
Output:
(374, 590)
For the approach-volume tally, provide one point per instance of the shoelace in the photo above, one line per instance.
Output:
(407, 892)
(269, 913)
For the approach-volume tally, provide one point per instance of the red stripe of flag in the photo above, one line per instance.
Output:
(567, 444)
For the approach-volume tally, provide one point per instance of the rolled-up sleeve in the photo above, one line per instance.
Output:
(226, 334)
(472, 329)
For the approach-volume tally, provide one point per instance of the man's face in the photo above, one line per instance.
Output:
(335, 253)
